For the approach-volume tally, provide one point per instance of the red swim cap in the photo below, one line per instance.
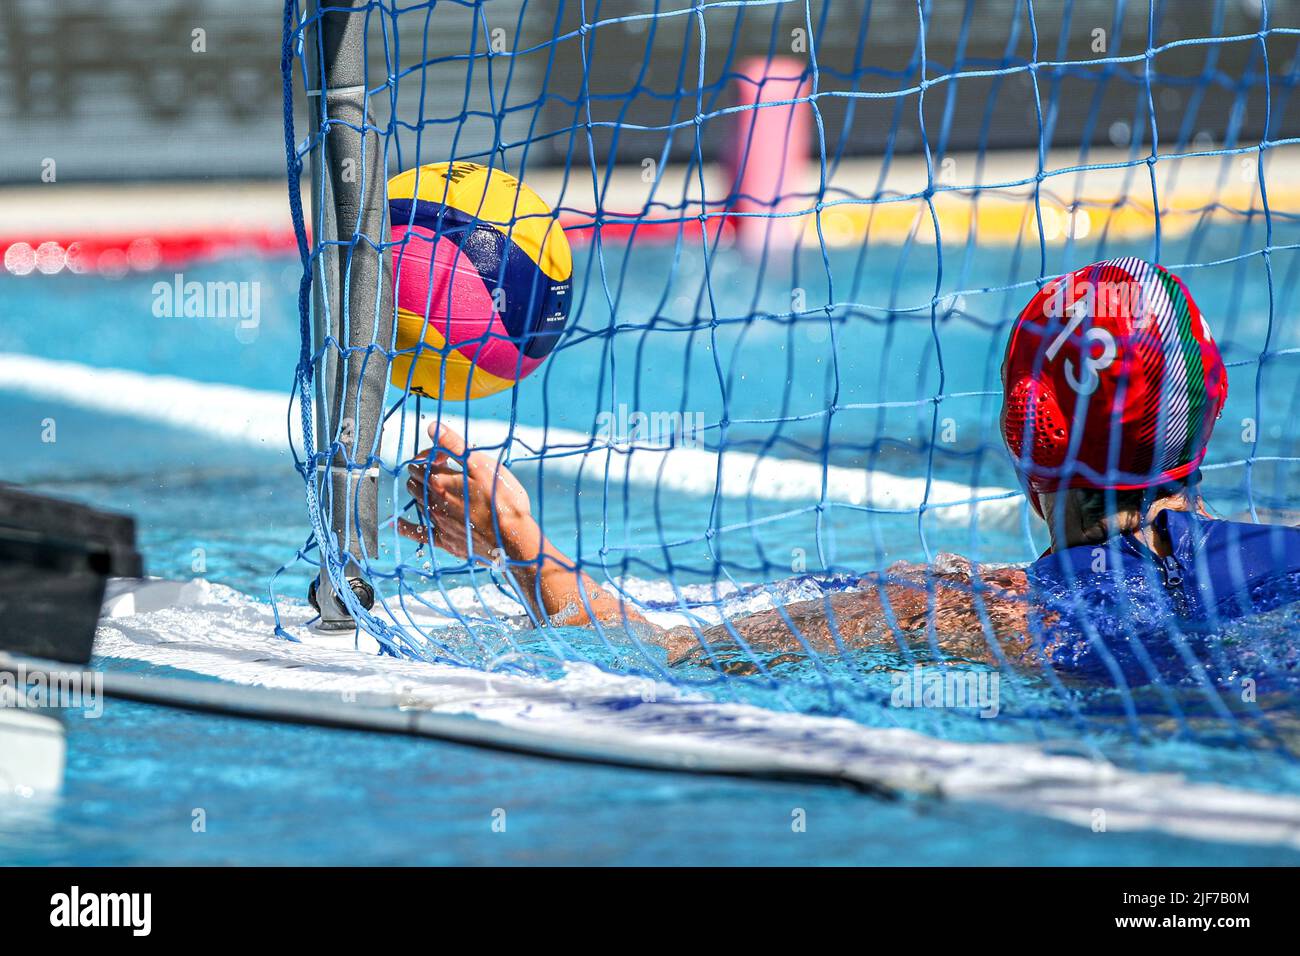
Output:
(1111, 380)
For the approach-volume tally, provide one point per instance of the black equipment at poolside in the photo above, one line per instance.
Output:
(55, 559)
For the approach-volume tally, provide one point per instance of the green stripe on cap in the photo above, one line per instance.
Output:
(1197, 398)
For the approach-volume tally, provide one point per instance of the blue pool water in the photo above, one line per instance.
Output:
(273, 794)
(281, 794)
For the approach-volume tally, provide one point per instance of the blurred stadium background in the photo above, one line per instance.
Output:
(114, 90)
(162, 122)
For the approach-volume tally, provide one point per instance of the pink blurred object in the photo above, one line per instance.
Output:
(770, 153)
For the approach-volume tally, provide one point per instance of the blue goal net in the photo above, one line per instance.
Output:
(801, 234)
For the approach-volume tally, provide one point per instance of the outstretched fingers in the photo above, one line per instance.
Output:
(435, 484)
(448, 449)
(444, 437)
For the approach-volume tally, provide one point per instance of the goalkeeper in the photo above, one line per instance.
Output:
(1112, 385)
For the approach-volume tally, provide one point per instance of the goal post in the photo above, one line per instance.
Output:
(352, 303)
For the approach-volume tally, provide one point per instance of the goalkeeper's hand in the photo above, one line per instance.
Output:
(471, 506)
(474, 508)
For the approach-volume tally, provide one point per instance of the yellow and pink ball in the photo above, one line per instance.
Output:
(483, 276)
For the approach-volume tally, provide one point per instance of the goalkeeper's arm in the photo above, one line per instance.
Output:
(474, 508)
